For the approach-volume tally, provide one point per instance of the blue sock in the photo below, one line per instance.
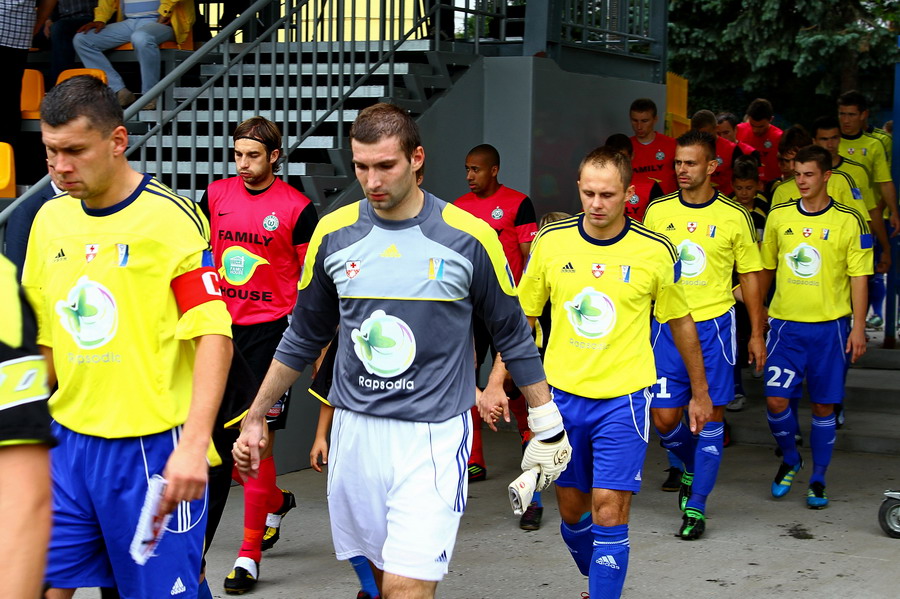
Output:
(707, 460)
(795, 410)
(783, 425)
(536, 498)
(674, 462)
(203, 591)
(579, 539)
(681, 442)
(609, 563)
(877, 293)
(364, 573)
(821, 442)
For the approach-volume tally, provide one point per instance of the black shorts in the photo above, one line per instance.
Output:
(257, 344)
(321, 384)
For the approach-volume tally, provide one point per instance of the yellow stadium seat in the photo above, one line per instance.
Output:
(32, 94)
(7, 171)
(69, 73)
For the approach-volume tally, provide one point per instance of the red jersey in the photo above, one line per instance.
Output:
(644, 191)
(721, 178)
(767, 146)
(511, 214)
(655, 161)
(259, 242)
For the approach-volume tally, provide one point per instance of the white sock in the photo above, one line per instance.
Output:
(247, 564)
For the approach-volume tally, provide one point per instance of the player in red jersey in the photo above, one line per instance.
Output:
(260, 228)
(726, 126)
(762, 135)
(653, 153)
(511, 214)
(726, 151)
(644, 191)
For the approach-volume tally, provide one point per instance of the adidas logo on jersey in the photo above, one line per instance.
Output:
(568, 267)
(608, 561)
(711, 450)
(60, 256)
(671, 227)
(789, 232)
(178, 588)
(391, 252)
(442, 558)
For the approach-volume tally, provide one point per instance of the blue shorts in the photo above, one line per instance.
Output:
(609, 440)
(718, 343)
(810, 350)
(98, 491)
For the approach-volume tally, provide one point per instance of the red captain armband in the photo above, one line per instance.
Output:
(196, 287)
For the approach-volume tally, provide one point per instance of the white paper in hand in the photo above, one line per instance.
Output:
(151, 526)
(521, 490)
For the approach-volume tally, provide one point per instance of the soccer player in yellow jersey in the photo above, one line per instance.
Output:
(131, 320)
(601, 271)
(827, 134)
(715, 236)
(820, 254)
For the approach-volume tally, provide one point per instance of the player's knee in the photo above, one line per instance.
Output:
(611, 507)
(821, 410)
(666, 420)
(777, 405)
(573, 504)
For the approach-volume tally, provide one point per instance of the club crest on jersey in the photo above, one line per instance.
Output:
(807, 231)
(352, 268)
(634, 199)
(598, 269)
(711, 231)
(270, 223)
(691, 227)
(719, 160)
(123, 253)
(824, 234)
(436, 269)
(497, 213)
(767, 144)
(851, 151)
(660, 155)
(626, 273)
(90, 251)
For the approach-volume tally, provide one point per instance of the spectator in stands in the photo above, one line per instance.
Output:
(68, 18)
(17, 26)
(145, 24)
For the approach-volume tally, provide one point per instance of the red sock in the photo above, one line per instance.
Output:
(520, 410)
(477, 455)
(261, 496)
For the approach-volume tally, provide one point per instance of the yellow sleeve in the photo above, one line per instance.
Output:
(881, 171)
(843, 193)
(859, 251)
(746, 249)
(534, 289)
(105, 10)
(668, 293)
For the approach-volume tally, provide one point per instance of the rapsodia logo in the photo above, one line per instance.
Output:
(591, 313)
(693, 259)
(804, 261)
(89, 314)
(384, 344)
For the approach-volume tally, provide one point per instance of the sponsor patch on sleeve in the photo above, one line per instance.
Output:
(678, 271)
(866, 242)
(196, 287)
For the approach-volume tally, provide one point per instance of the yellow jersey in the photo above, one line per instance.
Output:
(111, 291)
(600, 293)
(838, 188)
(713, 239)
(813, 256)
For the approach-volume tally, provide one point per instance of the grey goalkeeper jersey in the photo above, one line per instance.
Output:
(403, 294)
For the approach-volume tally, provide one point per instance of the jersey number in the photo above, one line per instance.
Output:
(22, 380)
(776, 373)
(663, 388)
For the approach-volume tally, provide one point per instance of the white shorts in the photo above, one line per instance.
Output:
(397, 489)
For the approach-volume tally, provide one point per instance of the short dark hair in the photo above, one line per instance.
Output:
(704, 118)
(760, 109)
(386, 120)
(698, 138)
(853, 98)
(794, 138)
(644, 105)
(745, 167)
(727, 116)
(84, 95)
(621, 143)
(817, 154)
(263, 131)
(825, 123)
(488, 151)
(606, 156)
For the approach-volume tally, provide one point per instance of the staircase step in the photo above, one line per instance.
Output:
(293, 48)
(280, 69)
(248, 93)
(298, 169)
(205, 142)
(234, 116)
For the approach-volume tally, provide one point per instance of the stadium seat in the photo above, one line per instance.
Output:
(32, 94)
(69, 73)
(7, 171)
(170, 45)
